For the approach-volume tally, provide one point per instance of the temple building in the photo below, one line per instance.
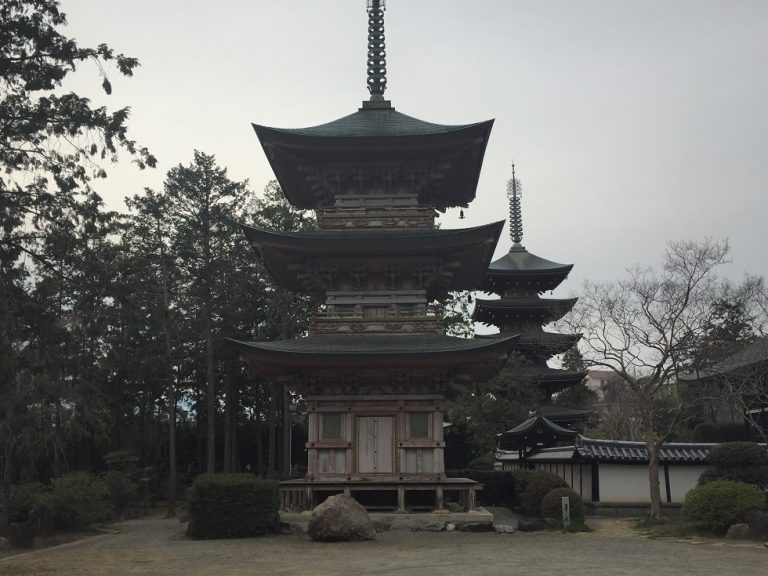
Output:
(376, 368)
(519, 278)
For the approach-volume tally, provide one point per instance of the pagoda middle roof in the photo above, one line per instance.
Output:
(520, 267)
(465, 252)
(550, 343)
(498, 311)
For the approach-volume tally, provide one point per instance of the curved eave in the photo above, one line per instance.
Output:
(387, 352)
(508, 310)
(464, 253)
(536, 422)
(455, 153)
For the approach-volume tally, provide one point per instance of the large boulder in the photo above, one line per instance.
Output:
(340, 518)
(738, 532)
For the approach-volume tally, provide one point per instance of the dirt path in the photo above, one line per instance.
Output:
(158, 546)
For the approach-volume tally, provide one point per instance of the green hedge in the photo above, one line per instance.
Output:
(717, 505)
(499, 487)
(233, 506)
(738, 461)
(552, 505)
(540, 483)
(737, 455)
(725, 432)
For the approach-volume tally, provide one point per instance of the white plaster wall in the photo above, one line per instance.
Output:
(626, 483)
(579, 477)
(681, 480)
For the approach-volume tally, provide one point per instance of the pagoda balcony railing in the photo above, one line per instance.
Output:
(378, 315)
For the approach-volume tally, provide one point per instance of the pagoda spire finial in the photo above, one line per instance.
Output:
(514, 192)
(377, 56)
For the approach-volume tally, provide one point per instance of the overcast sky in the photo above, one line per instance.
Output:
(631, 122)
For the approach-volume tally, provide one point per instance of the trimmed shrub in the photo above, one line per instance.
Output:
(79, 500)
(233, 506)
(540, 483)
(552, 506)
(124, 494)
(717, 505)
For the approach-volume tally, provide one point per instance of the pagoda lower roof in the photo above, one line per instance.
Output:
(461, 255)
(384, 353)
(370, 139)
(505, 310)
(520, 269)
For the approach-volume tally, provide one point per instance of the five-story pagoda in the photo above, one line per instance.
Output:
(376, 368)
(519, 278)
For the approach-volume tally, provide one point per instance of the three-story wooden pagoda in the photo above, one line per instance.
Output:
(376, 368)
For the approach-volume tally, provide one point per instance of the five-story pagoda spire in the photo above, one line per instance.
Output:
(377, 55)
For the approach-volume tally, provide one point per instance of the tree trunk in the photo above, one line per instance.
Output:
(211, 400)
(286, 432)
(259, 446)
(171, 453)
(6, 489)
(653, 444)
(227, 419)
(171, 390)
(272, 430)
(235, 445)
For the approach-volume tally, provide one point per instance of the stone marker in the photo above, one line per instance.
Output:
(340, 518)
(4, 545)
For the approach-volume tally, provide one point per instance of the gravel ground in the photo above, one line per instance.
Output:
(158, 546)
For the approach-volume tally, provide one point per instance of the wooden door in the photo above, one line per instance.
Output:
(375, 444)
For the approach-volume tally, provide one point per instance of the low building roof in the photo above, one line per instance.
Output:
(617, 451)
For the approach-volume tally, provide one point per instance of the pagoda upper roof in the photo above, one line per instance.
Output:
(521, 269)
(464, 253)
(373, 138)
(502, 310)
(469, 357)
